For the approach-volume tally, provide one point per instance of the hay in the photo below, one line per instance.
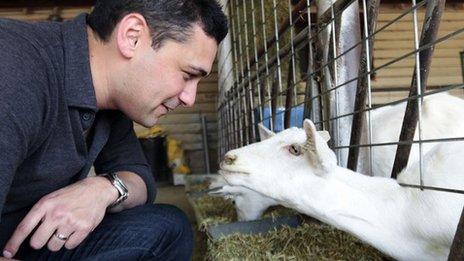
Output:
(214, 210)
(311, 241)
(217, 210)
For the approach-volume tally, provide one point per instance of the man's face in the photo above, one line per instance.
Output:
(160, 80)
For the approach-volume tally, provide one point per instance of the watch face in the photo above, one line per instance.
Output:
(120, 186)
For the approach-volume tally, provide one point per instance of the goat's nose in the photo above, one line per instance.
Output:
(229, 159)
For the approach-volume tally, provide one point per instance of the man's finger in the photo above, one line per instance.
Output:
(59, 238)
(23, 230)
(75, 239)
(43, 233)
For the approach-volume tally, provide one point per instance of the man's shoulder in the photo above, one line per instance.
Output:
(28, 44)
(26, 60)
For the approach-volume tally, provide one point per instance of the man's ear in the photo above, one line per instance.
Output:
(130, 31)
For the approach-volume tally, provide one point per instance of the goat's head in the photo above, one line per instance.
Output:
(285, 155)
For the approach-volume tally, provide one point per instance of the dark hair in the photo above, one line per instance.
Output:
(167, 19)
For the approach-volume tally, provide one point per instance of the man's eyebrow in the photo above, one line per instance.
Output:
(202, 72)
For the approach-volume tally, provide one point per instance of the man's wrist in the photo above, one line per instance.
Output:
(111, 194)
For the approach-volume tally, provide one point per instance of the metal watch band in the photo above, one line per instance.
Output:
(119, 185)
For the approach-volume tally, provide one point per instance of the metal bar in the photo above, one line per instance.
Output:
(266, 60)
(205, 143)
(457, 248)
(274, 95)
(436, 189)
(443, 89)
(361, 90)
(288, 98)
(375, 69)
(311, 109)
(297, 9)
(261, 86)
(301, 37)
(279, 64)
(429, 32)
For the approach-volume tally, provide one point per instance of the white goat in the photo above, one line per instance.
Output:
(297, 168)
(249, 204)
(442, 117)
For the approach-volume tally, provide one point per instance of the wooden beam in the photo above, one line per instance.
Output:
(45, 3)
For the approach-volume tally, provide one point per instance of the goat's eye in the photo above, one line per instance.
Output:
(295, 150)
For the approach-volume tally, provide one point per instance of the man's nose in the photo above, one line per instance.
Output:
(187, 97)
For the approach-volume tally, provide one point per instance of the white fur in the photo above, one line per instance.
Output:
(250, 205)
(442, 116)
(405, 223)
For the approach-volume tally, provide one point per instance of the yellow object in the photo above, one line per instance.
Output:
(150, 133)
(176, 157)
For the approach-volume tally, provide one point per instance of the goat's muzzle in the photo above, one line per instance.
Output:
(229, 159)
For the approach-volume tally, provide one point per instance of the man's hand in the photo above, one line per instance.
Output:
(64, 217)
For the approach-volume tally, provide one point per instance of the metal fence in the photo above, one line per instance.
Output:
(335, 62)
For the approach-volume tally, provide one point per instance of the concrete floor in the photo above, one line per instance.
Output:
(175, 195)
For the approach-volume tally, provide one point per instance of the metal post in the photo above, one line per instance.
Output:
(361, 89)
(205, 143)
(457, 248)
(429, 32)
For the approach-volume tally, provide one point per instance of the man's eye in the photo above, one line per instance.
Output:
(186, 76)
(295, 150)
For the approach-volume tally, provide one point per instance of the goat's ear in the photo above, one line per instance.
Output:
(325, 135)
(320, 154)
(310, 129)
(264, 133)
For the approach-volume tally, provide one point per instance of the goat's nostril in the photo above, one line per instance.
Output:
(229, 159)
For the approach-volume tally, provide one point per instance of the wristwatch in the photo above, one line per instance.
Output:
(119, 185)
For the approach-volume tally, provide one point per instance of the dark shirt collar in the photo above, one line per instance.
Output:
(79, 87)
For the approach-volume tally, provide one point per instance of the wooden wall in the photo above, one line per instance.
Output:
(392, 82)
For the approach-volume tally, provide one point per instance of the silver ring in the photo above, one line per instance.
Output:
(61, 237)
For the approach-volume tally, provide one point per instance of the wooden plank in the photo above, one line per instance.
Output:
(199, 146)
(207, 87)
(393, 82)
(192, 138)
(410, 62)
(388, 15)
(386, 97)
(194, 128)
(176, 118)
(197, 108)
(409, 45)
(434, 71)
(397, 35)
(439, 53)
(208, 97)
(408, 26)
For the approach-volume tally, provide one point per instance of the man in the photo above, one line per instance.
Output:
(68, 94)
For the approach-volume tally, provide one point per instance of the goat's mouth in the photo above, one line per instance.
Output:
(224, 172)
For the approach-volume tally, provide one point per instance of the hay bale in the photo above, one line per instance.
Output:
(311, 241)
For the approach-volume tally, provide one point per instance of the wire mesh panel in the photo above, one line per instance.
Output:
(373, 73)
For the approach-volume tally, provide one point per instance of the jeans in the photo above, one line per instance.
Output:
(148, 232)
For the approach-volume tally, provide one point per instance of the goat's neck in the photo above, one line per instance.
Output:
(368, 207)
